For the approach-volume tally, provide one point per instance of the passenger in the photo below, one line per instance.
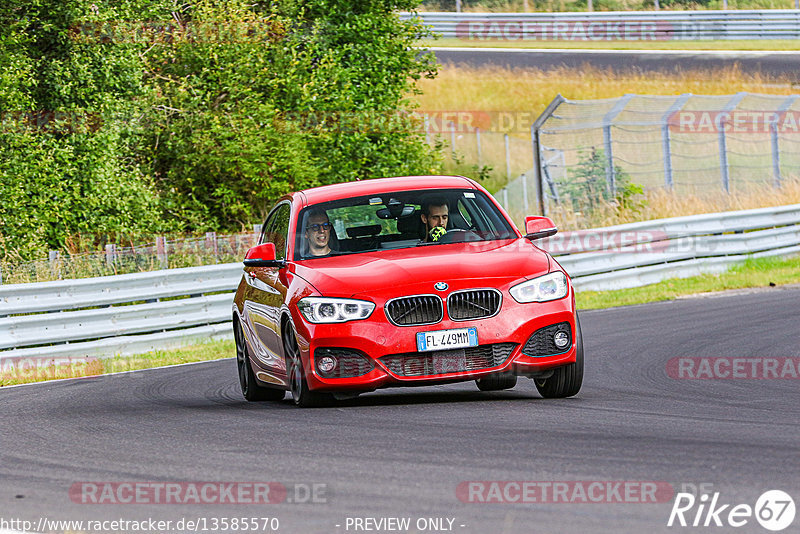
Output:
(434, 215)
(318, 233)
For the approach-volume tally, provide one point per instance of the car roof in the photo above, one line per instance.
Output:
(375, 186)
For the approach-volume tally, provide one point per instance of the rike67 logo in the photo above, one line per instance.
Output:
(774, 510)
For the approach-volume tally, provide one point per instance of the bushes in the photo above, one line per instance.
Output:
(64, 168)
(199, 126)
(587, 189)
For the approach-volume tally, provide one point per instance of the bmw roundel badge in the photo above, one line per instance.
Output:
(440, 286)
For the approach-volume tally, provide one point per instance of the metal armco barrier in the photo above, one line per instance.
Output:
(615, 25)
(125, 314)
(102, 317)
(638, 254)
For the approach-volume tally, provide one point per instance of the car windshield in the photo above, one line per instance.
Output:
(398, 220)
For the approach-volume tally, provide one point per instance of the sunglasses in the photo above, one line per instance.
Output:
(317, 227)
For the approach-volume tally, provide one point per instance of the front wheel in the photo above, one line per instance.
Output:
(566, 381)
(247, 379)
(295, 374)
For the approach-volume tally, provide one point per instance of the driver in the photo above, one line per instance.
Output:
(434, 215)
(318, 233)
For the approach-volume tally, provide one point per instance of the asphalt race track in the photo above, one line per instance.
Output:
(767, 63)
(401, 453)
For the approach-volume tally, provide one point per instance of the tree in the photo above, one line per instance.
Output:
(195, 116)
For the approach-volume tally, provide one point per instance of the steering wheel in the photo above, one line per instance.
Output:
(459, 235)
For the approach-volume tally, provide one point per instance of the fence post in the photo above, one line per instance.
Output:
(607, 142)
(453, 140)
(508, 160)
(537, 146)
(525, 193)
(427, 122)
(665, 137)
(551, 185)
(111, 254)
(53, 258)
(161, 251)
(723, 143)
(211, 243)
(537, 169)
(773, 133)
(458, 6)
(478, 142)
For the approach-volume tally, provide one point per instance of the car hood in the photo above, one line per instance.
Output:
(387, 272)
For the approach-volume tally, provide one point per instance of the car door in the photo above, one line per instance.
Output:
(265, 292)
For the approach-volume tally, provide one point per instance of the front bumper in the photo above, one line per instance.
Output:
(377, 338)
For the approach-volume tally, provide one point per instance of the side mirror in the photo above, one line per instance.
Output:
(539, 227)
(262, 256)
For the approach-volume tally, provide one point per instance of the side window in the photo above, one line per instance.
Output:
(465, 214)
(276, 229)
(265, 230)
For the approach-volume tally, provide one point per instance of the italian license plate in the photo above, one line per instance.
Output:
(456, 338)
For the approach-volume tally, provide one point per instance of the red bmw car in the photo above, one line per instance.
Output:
(401, 282)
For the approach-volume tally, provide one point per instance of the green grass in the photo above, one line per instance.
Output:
(776, 44)
(752, 273)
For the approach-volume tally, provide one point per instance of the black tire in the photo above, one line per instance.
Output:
(566, 381)
(252, 391)
(496, 382)
(295, 374)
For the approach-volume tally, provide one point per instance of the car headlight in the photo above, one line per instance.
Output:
(551, 286)
(332, 310)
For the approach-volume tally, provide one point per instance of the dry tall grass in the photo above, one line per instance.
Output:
(531, 90)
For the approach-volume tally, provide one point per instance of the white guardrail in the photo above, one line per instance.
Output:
(137, 313)
(616, 25)
(124, 314)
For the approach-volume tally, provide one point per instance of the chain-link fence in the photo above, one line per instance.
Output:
(595, 150)
(164, 253)
(492, 157)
